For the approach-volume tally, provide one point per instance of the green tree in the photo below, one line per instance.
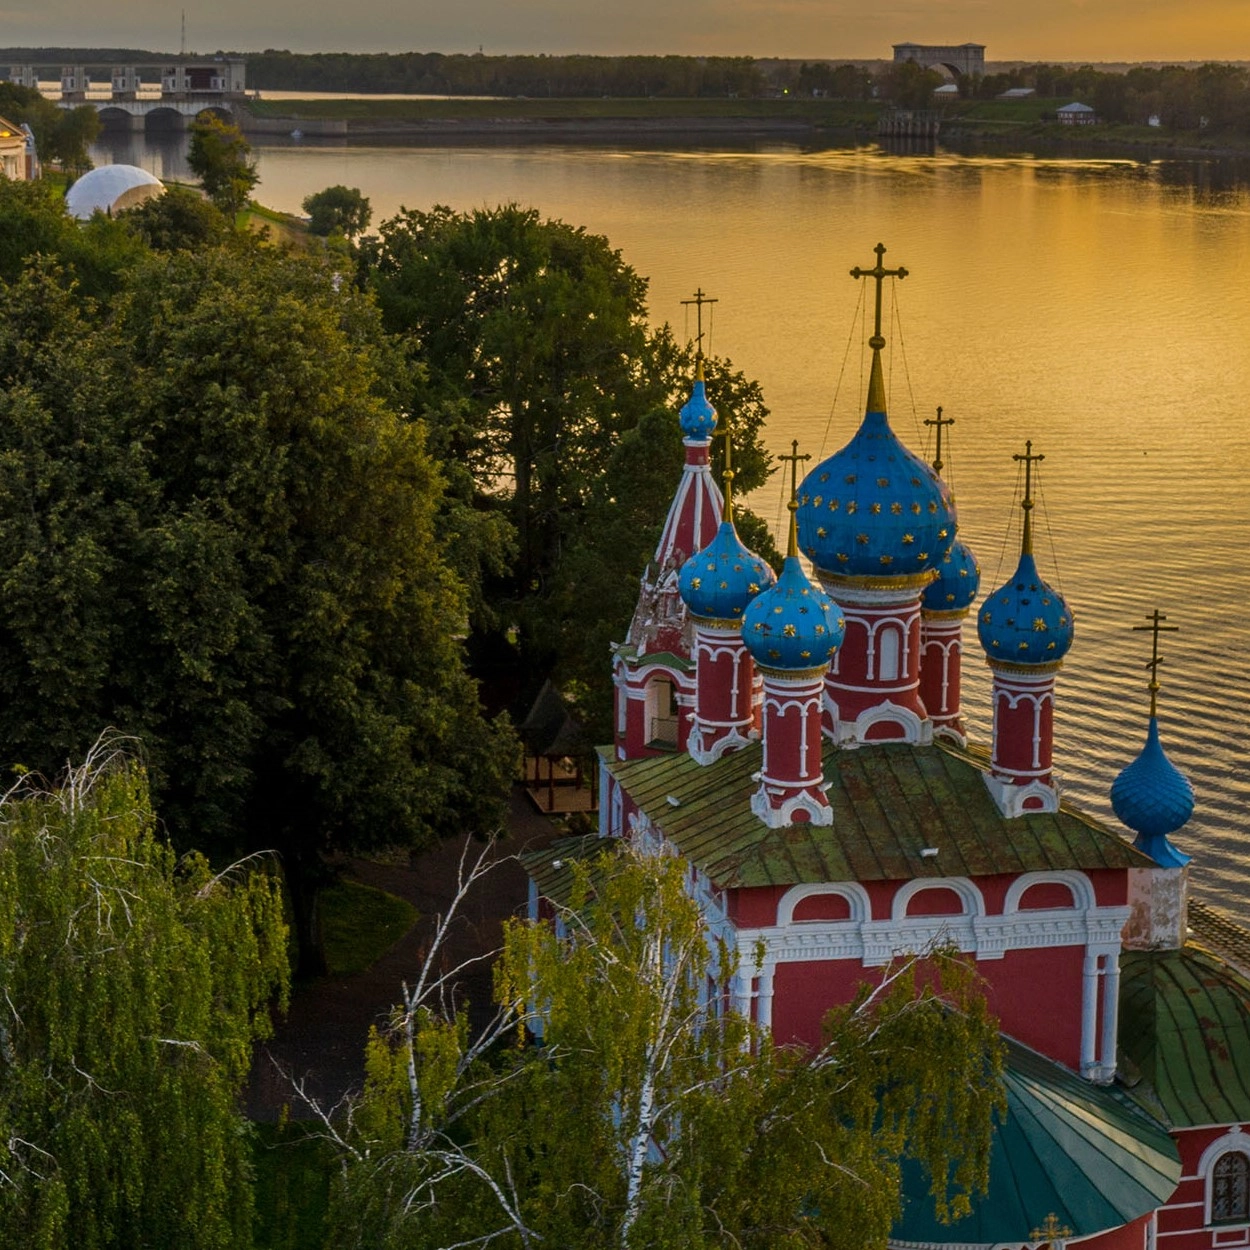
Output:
(908, 85)
(134, 987)
(179, 219)
(217, 534)
(646, 1115)
(338, 209)
(220, 157)
(536, 364)
(62, 136)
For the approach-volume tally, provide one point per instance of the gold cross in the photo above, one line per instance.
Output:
(699, 300)
(880, 273)
(794, 460)
(1026, 542)
(939, 421)
(1050, 1230)
(1156, 627)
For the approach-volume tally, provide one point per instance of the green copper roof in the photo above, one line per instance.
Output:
(888, 801)
(1078, 1151)
(1185, 1033)
(551, 865)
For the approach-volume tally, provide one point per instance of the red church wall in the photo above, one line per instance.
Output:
(823, 907)
(1181, 1222)
(1127, 1237)
(803, 992)
(937, 900)
(1036, 994)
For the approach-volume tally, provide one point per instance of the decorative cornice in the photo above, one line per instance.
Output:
(910, 582)
(1024, 670)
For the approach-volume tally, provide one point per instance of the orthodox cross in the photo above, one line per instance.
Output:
(794, 460)
(880, 273)
(1026, 541)
(1050, 1231)
(726, 432)
(699, 300)
(939, 421)
(1156, 627)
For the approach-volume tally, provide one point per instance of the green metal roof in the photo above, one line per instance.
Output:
(1185, 1032)
(1078, 1151)
(889, 801)
(551, 865)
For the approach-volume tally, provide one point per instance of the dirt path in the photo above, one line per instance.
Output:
(322, 1039)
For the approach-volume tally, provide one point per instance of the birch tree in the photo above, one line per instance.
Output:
(633, 1109)
(132, 986)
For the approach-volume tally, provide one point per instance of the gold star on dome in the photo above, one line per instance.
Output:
(1039, 625)
(850, 479)
(887, 559)
(843, 557)
(883, 481)
(833, 505)
(909, 538)
(876, 509)
(821, 532)
(932, 506)
(896, 508)
(789, 631)
(753, 588)
(817, 500)
(695, 583)
(851, 507)
(862, 539)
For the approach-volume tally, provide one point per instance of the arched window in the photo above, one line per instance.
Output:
(1230, 1189)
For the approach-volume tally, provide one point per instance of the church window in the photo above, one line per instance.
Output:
(661, 713)
(1230, 1188)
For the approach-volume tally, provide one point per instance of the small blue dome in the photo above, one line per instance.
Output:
(875, 509)
(958, 580)
(793, 626)
(1154, 798)
(1025, 621)
(698, 417)
(719, 581)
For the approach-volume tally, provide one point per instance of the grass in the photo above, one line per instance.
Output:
(360, 924)
(282, 227)
(293, 1172)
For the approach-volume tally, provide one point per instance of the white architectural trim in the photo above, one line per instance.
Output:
(915, 730)
(855, 895)
(1082, 891)
(1011, 798)
(783, 816)
(731, 741)
(970, 894)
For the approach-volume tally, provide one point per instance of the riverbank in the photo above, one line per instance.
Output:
(995, 125)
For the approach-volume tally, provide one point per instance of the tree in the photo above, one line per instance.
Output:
(908, 85)
(338, 209)
(61, 135)
(179, 219)
(536, 364)
(219, 156)
(647, 1114)
(135, 984)
(217, 534)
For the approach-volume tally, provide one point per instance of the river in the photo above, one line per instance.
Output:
(1099, 307)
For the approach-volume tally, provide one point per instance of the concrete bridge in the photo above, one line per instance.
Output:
(180, 93)
(960, 59)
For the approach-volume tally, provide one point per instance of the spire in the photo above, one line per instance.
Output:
(794, 459)
(876, 380)
(1152, 796)
(939, 421)
(698, 301)
(1026, 504)
(1156, 627)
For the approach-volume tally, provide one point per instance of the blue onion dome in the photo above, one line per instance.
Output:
(1154, 798)
(718, 582)
(1025, 621)
(793, 626)
(958, 580)
(698, 417)
(875, 509)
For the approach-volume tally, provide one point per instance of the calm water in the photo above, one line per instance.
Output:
(1099, 307)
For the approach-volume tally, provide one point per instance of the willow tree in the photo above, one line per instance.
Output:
(646, 1115)
(134, 986)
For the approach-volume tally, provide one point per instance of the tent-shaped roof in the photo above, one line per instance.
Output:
(1080, 1152)
(550, 729)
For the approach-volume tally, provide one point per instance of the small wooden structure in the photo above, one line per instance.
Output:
(909, 124)
(556, 744)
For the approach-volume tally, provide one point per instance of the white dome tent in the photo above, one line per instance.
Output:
(110, 189)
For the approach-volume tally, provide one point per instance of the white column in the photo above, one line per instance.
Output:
(740, 995)
(1089, 1016)
(764, 1003)
(1110, 1016)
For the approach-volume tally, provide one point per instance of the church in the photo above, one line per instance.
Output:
(798, 739)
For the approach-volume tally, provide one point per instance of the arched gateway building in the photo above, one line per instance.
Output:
(799, 742)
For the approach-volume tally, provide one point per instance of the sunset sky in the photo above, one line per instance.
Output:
(1096, 30)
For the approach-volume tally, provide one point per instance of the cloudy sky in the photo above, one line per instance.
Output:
(1109, 30)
